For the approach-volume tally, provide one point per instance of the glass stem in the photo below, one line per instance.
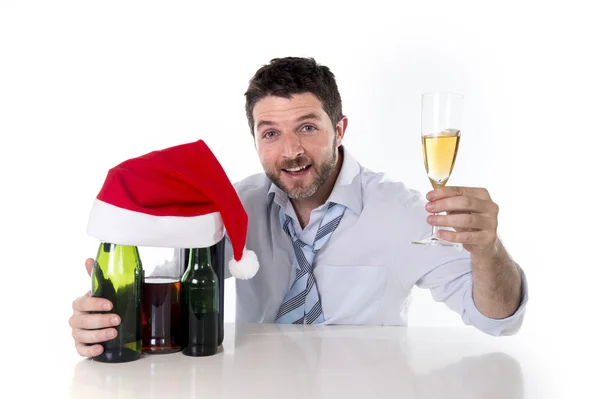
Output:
(435, 229)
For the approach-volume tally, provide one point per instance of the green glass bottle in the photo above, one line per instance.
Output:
(117, 275)
(201, 304)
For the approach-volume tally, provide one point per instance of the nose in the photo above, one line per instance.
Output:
(292, 146)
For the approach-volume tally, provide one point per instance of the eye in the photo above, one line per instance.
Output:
(308, 128)
(269, 134)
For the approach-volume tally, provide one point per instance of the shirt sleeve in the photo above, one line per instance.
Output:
(507, 326)
(452, 284)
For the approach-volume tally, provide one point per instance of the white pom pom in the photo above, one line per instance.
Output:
(246, 268)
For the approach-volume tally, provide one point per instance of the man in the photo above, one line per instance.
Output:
(314, 194)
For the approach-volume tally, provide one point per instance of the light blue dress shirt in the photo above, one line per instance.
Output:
(367, 269)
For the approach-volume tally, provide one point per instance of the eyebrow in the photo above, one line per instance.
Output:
(312, 115)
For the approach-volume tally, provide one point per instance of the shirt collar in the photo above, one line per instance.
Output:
(347, 189)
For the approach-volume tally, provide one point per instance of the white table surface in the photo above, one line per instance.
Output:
(287, 361)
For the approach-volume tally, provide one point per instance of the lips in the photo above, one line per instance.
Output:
(297, 171)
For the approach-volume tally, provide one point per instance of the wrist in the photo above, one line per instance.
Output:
(494, 255)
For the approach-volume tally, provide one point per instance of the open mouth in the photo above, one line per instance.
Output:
(299, 171)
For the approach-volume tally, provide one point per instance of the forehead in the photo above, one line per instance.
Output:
(280, 109)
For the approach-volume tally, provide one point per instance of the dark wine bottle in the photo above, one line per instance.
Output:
(217, 253)
(117, 275)
(201, 304)
(218, 262)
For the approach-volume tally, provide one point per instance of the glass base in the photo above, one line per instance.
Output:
(437, 242)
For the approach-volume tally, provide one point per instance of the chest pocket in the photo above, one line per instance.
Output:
(351, 294)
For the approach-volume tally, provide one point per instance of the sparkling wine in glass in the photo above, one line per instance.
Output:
(441, 123)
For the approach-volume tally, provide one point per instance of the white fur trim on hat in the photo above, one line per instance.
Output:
(121, 226)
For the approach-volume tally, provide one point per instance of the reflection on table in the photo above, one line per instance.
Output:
(313, 361)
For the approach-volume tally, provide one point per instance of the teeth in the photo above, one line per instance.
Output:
(296, 169)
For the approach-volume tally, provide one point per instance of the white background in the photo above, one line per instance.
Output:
(85, 85)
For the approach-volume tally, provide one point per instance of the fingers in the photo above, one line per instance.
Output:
(463, 221)
(89, 303)
(463, 204)
(93, 336)
(92, 328)
(479, 239)
(89, 265)
(89, 329)
(469, 211)
(458, 191)
(93, 321)
(88, 350)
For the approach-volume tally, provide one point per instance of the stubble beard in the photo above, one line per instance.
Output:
(298, 191)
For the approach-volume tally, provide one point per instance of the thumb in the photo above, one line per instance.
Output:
(89, 264)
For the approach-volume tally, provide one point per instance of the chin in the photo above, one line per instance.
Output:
(301, 193)
(296, 192)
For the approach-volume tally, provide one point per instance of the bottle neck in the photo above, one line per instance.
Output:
(120, 264)
(118, 256)
(200, 258)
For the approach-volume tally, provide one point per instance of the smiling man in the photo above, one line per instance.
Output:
(333, 238)
(305, 164)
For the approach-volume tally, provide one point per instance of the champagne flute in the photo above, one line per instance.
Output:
(441, 124)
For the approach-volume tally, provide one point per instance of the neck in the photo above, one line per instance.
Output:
(200, 258)
(304, 206)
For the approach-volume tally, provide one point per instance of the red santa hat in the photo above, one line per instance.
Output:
(178, 197)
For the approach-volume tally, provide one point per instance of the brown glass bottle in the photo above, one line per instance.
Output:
(161, 315)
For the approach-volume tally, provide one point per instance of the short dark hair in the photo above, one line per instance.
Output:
(287, 76)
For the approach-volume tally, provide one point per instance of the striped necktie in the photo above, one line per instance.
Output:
(302, 304)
